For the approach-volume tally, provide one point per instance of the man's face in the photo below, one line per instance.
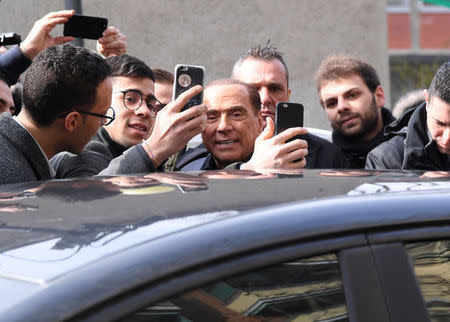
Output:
(6, 99)
(438, 123)
(232, 124)
(353, 111)
(130, 127)
(91, 123)
(163, 92)
(269, 77)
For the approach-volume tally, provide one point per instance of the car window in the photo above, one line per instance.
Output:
(431, 261)
(302, 290)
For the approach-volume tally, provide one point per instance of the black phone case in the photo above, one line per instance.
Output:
(196, 75)
(288, 115)
(85, 27)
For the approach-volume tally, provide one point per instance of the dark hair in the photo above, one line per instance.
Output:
(62, 79)
(265, 52)
(129, 66)
(3, 78)
(339, 66)
(163, 76)
(440, 85)
(252, 91)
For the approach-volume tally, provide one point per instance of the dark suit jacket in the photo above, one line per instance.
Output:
(21, 159)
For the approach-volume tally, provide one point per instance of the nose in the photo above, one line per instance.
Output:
(342, 105)
(264, 96)
(143, 110)
(224, 124)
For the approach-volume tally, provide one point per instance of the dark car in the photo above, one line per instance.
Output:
(228, 245)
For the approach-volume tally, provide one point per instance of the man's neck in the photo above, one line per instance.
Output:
(42, 135)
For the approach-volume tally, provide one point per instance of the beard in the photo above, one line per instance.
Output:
(369, 121)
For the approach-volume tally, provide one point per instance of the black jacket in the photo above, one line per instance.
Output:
(356, 152)
(412, 148)
(321, 155)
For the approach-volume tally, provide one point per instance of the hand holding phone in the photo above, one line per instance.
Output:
(85, 27)
(186, 77)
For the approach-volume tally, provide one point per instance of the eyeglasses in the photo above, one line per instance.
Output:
(106, 119)
(132, 99)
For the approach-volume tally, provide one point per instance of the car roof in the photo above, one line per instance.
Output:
(74, 228)
(47, 236)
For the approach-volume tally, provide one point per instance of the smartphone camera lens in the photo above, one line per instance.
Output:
(184, 80)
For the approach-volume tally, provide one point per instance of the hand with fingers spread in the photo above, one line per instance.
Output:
(39, 36)
(173, 129)
(113, 43)
(272, 152)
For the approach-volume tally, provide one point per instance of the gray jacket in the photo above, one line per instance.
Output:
(102, 156)
(21, 159)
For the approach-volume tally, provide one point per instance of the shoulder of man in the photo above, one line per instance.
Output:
(21, 158)
(191, 156)
(323, 154)
(387, 155)
(95, 157)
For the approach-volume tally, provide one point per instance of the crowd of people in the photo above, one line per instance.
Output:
(81, 113)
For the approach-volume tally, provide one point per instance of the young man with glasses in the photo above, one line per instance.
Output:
(142, 136)
(66, 98)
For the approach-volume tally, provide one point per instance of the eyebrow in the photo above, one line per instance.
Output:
(231, 108)
(439, 121)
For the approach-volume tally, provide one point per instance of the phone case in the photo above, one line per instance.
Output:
(186, 77)
(288, 115)
(85, 27)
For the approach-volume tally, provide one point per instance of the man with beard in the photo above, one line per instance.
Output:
(350, 92)
(263, 67)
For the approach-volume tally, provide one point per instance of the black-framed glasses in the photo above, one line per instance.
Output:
(106, 119)
(132, 100)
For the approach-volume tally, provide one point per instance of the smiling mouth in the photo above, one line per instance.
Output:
(140, 127)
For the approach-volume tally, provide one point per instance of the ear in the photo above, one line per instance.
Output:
(379, 96)
(72, 121)
(427, 96)
(289, 93)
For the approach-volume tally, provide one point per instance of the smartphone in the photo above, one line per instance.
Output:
(288, 115)
(85, 27)
(186, 77)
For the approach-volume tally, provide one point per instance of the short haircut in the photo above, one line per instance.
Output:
(440, 85)
(129, 66)
(252, 91)
(340, 66)
(3, 78)
(62, 79)
(163, 76)
(265, 52)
